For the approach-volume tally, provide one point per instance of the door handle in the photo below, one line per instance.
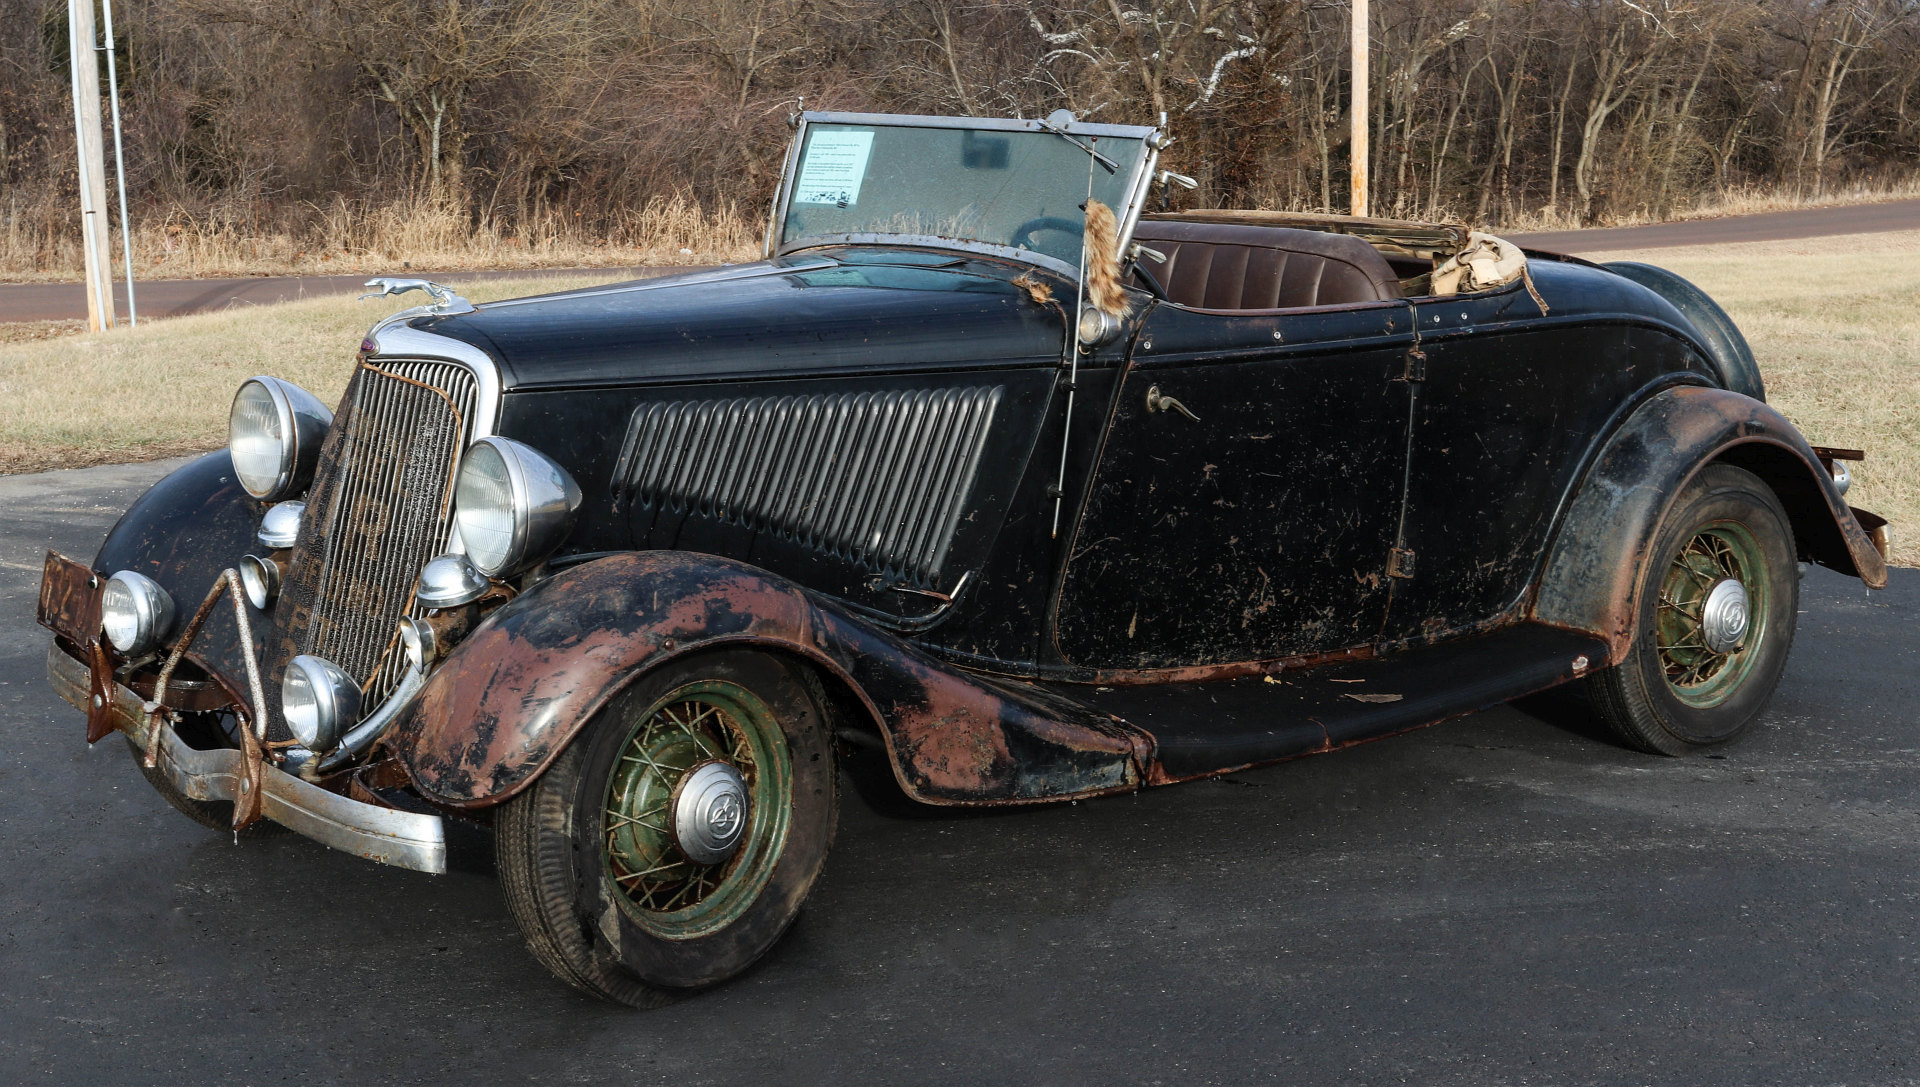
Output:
(1156, 401)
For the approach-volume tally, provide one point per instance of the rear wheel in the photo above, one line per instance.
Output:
(672, 843)
(1718, 599)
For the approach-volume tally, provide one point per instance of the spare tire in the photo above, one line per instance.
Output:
(1727, 349)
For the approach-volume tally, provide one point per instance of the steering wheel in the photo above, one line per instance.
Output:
(1023, 234)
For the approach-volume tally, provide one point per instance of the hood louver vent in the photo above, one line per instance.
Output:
(879, 479)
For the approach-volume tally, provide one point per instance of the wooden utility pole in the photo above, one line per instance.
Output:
(93, 167)
(1358, 178)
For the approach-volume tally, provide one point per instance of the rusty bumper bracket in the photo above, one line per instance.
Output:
(402, 839)
(246, 805)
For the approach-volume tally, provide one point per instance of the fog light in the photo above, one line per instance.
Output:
(281, 526)
(135, 613)
(320, 702)
(260, 579)
(1842, 476)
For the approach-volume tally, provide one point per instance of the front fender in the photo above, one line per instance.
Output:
(524, 683)
(183, 532)
(1592, 574)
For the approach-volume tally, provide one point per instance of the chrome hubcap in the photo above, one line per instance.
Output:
(710, 812)
(1723, 616)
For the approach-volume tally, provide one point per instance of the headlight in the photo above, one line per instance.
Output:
(135, 613)
(273, 435)
(513, 505)
(319, 702)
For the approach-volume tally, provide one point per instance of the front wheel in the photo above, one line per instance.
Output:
(673, 841)
(1718, 598)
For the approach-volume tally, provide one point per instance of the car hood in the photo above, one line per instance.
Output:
(837, 311)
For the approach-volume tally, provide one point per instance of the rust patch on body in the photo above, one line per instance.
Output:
(508, 700)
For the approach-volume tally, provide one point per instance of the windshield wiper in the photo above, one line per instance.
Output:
(1112, 166)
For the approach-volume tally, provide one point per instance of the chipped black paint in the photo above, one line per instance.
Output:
(1202, 554)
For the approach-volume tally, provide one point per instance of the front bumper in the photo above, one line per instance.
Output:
(402, 839)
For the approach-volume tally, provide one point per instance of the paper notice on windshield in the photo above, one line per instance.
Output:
(835, 164)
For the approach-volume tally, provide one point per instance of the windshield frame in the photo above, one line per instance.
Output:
(1137, 186)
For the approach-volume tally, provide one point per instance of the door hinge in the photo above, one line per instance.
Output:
(1400, 562)
(1416, 366)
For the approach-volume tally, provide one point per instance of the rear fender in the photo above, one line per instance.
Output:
(524, 683)
(1592, 574)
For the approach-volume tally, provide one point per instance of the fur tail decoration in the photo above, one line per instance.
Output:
(1103, 260)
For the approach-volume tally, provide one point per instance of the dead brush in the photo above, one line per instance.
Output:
(351, 238)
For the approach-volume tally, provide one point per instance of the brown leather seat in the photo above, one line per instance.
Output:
(1232, 266)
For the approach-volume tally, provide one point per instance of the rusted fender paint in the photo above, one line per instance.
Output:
(529, 678)
(1591, 578)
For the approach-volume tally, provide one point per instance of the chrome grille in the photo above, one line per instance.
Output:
(877, 478)
(379, 509)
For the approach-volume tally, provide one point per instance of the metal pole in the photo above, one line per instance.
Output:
(119, 163)
(1358, 178)
(92, 168)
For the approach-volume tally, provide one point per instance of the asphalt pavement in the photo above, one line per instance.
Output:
(1509, 898)
(1771, 226)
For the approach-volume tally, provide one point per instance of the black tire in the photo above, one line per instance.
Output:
(557, 860)
(1673, 694)
(202, 733)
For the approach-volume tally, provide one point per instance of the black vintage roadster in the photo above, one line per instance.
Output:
(985, 466)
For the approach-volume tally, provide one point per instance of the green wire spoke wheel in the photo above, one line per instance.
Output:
(674, 839)
(696, 809)
(1718, 595)
(1705, 616)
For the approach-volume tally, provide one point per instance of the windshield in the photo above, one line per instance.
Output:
(1016, 187)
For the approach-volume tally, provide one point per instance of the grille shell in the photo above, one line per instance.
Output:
(879, 479)
(380, 507)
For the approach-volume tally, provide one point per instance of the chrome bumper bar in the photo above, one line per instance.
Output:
(402, 839)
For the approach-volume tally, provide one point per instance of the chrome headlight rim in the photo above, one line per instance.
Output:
(148, 605)
(542, 501)
(302, 421)
(318, 701)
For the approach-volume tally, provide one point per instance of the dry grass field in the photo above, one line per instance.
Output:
(408, 233)
(1835, 323)
(164, 388)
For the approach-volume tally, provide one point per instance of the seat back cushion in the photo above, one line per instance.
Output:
(1233, 266)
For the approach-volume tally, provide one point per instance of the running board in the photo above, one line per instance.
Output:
(1198, 729)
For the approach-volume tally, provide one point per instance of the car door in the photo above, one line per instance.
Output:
(1247, 493)
(1507, 408)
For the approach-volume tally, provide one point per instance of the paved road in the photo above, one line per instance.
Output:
(1504, 899)
(171, 298)
(174, 297)
(1768, 227)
